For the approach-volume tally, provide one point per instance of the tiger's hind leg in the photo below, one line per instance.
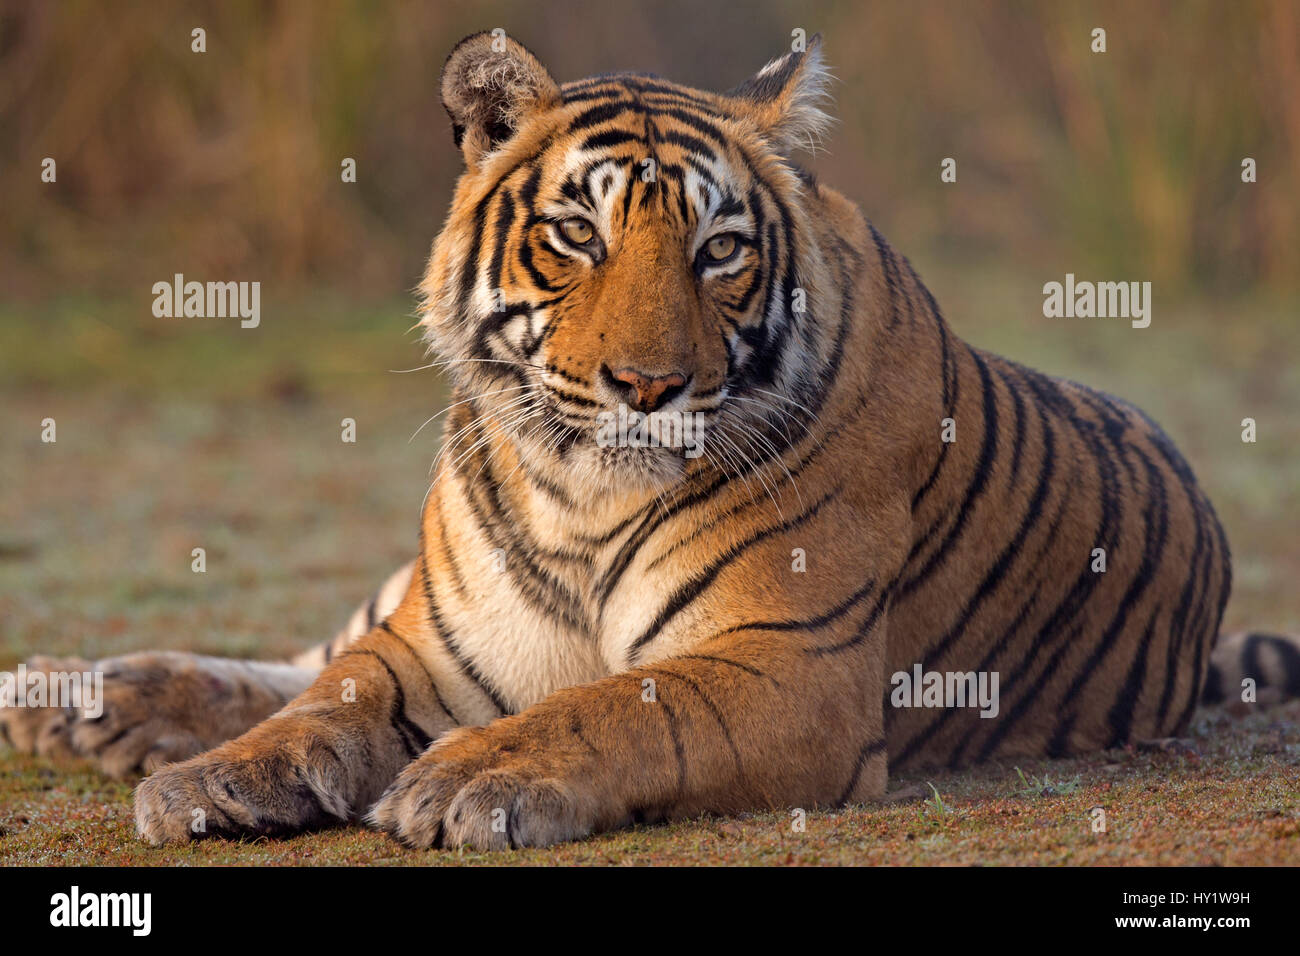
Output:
(158, 707)
(141, 711)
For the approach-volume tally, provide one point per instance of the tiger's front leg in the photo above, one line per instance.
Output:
(321, 760)
(747, 720)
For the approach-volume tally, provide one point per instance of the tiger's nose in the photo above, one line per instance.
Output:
(642, 391)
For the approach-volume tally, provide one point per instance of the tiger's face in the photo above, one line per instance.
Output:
(620, 285)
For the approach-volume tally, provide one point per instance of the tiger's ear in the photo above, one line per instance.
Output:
(785, 98)
(490, 84)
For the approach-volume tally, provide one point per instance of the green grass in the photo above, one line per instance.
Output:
(1045, 786)
(175, 435)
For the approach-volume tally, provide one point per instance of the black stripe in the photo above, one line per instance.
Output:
(1289, 654)
(588, 97)
(547, 487)
(607, 139)
(470, 266)
(686, 593)
(504, 220)
(704, 172)
(756, 280)
(544, 590)
(685, 141)
(602, 113)
(974, 490)
(1036, 588)
(889, 270)
(414, 740)
(697, 122)
(1250, 664)
(576, 399)
(1120, 717)
(777, 323)
(870, 749)
(998, 572)
(679, 748)
(683, 543)
(433, 684)
(867, 626)
(1155, 532)
(444, 634)
(1018, 442)
(1195, 589)
(649, 84)
(528, 199)
(457, 581)
(725, 661)
(1225, 588)
(806, 624)
(651, 520)
(627, 197)
(1204, 623)
(950, 391)
(116, 737)
(1057, 626)
(1213, 693)
(830, 371)
(717, 715)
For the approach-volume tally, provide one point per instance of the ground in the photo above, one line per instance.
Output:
(179, 434)
(1224, 796)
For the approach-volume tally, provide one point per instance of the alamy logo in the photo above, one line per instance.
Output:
(946, 689)
(133, 910)
(211, 300)
(1100, 300)
(628, 429)
(77, 690)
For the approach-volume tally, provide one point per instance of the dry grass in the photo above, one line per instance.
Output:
(1229, 799)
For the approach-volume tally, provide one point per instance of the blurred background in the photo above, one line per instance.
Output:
(225, 165)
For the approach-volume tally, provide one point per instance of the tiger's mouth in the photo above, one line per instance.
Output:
(620, 426)
(618, 447)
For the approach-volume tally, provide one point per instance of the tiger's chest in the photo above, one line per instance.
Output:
(536, 613)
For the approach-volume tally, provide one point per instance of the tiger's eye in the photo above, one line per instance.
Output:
(721, 247)
(577, 231)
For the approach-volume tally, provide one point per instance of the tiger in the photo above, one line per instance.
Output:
(596, 633)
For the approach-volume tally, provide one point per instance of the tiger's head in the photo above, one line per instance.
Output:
(628, 280)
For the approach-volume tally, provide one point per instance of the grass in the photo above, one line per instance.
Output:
(1044, 786)
(1228, 799)
(175, 435)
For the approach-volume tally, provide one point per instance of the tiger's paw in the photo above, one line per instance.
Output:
(219, 794)
(472, 788)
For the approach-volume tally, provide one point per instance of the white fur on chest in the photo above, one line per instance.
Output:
(522, 651)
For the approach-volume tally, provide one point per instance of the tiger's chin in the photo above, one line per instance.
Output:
(620, 470)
